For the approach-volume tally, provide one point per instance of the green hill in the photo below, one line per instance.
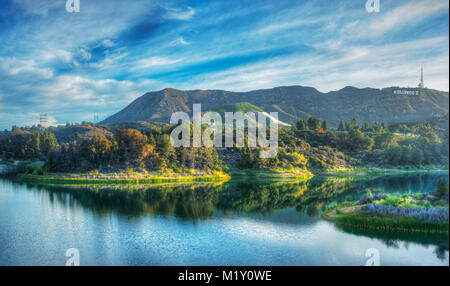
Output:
(242, 107)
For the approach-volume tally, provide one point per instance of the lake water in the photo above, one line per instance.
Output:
(235, 223)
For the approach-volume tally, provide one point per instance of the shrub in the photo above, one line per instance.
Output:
(441, 203)
(423, 214)
(30, 168)
(39, 171)
(418, 197)
(331, 206)
(391, 201)
(427, 204)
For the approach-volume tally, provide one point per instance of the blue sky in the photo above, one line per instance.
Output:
(74, 65)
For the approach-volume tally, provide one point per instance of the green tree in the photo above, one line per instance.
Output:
(385, 140)
(341, 126)
(418, 156)
(325, 125)
(347, 126)
(301, 124)
(166, 150)
(354, 141)
(48, 142)
(98, 151)
(313, 123)
(442, 189)
(354, 124)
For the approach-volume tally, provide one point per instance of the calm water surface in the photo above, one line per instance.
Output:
(236, 223)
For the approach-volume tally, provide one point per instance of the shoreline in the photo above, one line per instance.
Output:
(372, 171)
(69, 178)
(349, 217)
(151, 178)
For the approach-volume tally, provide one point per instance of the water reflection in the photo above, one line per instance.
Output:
(203, 200)
(400, 239)
(280, 220)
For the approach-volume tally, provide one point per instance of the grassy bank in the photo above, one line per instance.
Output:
(152, 178)
(295, 173)
(368, 171)
(65, 178)
(402, 224)
(348, 214)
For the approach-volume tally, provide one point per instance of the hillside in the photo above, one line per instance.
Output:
(68, 133)
(242, 107)
(293, 103)
(245, 107)
(142, 126)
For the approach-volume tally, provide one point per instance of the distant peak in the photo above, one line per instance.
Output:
(169, 89)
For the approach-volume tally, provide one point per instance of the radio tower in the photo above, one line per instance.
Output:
(421, 84)
(43, 120)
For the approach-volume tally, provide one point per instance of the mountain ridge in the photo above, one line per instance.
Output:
(294, 103)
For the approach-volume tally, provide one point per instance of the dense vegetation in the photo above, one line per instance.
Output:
(395, 145)
(309, 144)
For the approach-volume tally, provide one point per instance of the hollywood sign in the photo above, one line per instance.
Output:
(406, 92)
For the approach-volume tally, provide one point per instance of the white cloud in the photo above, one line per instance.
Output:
(16, 67)
(397, 18)
(179, 14)
(110, 61)
(84, 54)
(57, 54)
(154, 61)
(179, 41)
(38, 7)
(107, 43)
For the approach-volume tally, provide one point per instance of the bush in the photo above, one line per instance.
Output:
(39, 171)
(391, 201)
(418, 197)
(30, 168)
(423, 214)
(441, 203)
(331, 206)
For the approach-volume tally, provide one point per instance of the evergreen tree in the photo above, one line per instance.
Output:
(341, 126)
(301, 124)
(354, 124)
(325, 125)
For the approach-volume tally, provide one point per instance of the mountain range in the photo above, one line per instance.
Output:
(292, 103)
